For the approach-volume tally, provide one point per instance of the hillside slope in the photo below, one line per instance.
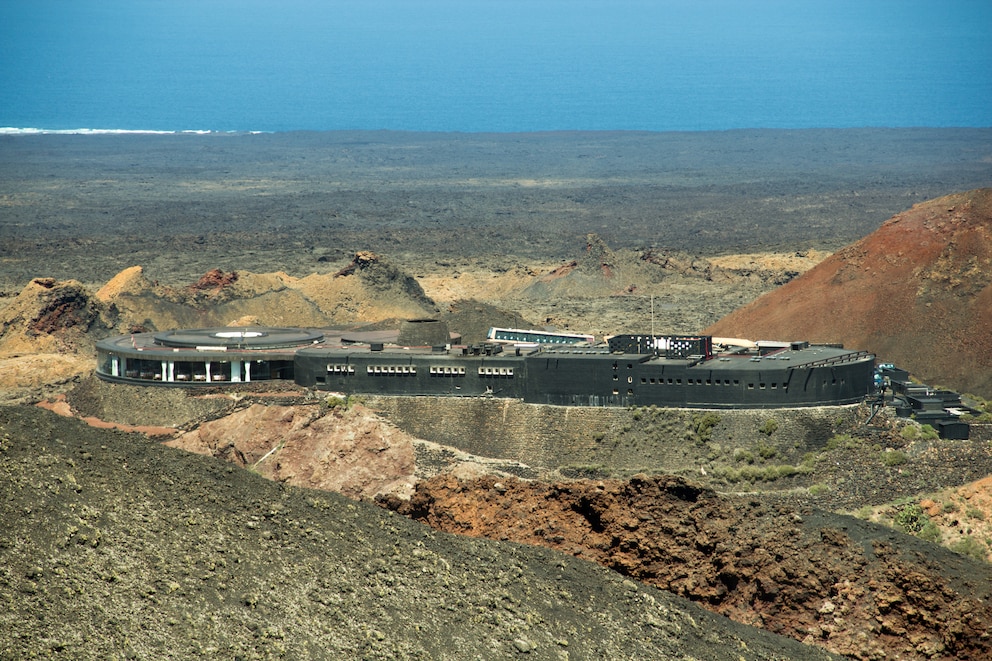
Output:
(115, 547)
(917, 292)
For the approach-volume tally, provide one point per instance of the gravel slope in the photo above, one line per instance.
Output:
(115, 547)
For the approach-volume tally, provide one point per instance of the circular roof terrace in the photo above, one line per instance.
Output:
(254, 337)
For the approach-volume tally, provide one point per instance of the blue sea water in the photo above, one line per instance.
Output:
(494, 65)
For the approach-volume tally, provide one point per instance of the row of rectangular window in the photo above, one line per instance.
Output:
(392, 369)
(412, 369)
(698, 382)
(447, 370)
(495, 371)
(709, 382)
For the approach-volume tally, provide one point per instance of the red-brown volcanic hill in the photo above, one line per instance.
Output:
(916, 292)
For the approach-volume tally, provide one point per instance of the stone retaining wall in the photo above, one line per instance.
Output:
(611, 439)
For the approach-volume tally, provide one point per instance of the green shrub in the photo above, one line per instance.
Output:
(838, 441)
(913, 520)
(727, 474)
(910, 432)
(769, 427)
(974, 513)
(755, 473)
(950, 507)
(930, 532)
(336, 401)
(894, 458)
(744, 456)
(766, 451)
(818, 489)
(703, 425)
(929, 433)
(970, 547)
(781, 470)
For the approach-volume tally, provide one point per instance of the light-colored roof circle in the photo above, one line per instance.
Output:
(239, 334)
(257, 337)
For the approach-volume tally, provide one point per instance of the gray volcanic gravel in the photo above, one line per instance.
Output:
(116, 547)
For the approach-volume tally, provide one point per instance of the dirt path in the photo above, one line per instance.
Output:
(60, 406)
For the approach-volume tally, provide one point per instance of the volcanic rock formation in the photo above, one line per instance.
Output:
(917, 292)
(44, 335)
(846, 585)
(48, 331)
(360, 457)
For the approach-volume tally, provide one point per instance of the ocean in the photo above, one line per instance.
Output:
(494, 65)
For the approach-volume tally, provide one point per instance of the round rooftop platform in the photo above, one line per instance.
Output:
(253, 337)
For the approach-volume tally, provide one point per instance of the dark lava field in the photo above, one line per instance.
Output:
(87, 206)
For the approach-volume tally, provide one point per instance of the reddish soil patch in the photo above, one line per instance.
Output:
(348, 451)
(215, 279)
(561, 271)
